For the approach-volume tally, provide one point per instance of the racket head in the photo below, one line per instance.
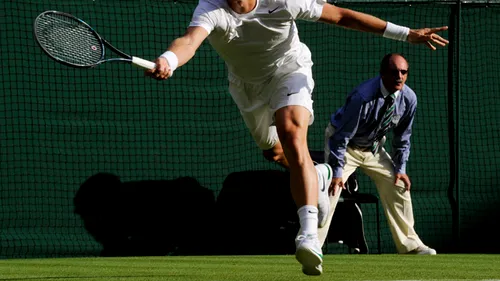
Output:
(68, 39)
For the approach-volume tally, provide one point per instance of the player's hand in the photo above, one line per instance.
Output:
(428, 37)
(162, 71)
(405, 179)
(336, 186)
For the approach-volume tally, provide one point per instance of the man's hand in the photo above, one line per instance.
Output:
(162, 71)
(405, 179)
(427, 36)
(336, 186)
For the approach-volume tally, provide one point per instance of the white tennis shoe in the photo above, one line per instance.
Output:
(423, 250)
(324, 180)
(309, 254)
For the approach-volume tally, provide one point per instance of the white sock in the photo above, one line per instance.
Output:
(308, 217)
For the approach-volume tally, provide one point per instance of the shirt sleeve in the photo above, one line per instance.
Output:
(205, 15)
(345, 130)
(309, 10)
(401, 140)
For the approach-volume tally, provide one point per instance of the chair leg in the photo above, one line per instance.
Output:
(361, 241)
(378, 228)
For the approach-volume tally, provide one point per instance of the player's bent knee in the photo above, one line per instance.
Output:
(271, 155)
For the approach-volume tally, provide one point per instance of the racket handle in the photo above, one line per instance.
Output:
(143, 63)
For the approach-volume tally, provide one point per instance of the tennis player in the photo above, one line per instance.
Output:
(270, 80)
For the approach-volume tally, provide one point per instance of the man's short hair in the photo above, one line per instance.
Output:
(384, 64)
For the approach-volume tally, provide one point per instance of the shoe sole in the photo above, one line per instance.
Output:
(309, 260)
(311, 271)
(427, 252)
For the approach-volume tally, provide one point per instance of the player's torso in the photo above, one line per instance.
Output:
(257, 43)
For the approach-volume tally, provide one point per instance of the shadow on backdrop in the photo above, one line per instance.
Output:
(254, 214)
(146, 218)
(257, 215)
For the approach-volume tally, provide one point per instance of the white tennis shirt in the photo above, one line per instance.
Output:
(256, 44)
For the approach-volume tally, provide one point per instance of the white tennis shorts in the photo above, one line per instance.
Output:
(291, 85)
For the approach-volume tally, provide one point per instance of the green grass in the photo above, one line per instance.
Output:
(241, 268)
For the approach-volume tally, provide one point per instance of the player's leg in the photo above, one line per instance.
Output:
(292, 123)
(324, 172)
(267, 138)
(258, 121)
(292, 104)
(396, 202)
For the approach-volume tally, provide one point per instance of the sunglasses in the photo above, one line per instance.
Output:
(395, 72)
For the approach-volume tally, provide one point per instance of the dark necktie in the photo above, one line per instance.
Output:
(385, 124)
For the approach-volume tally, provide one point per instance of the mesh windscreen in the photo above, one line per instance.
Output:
(60, 125)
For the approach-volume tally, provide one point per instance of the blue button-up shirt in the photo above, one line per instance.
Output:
(357, 122)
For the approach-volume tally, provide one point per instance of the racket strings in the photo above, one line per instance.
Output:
(69, 40)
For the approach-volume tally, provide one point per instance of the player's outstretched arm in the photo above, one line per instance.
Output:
(181, 50)
(364, 22)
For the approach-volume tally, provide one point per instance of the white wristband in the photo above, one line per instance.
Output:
(172, 59)
(396, 32)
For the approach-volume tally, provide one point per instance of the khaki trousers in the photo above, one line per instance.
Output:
(395, 200)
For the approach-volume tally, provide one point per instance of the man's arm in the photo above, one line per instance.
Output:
(401, 140)
(367, 23)
(181, 50)
(345, 130)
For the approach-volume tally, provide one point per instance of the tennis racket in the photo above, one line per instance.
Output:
(72, 42)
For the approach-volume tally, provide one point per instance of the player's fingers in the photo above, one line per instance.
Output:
(159, 70)
(156, 75)
(162, 72)
(165, 74)
(430, 46)
(438, 29)
(438, 39)
(150, 72)
(440, 43)
(153, 73)
(169, 73)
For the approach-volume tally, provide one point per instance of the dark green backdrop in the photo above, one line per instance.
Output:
(60, 125)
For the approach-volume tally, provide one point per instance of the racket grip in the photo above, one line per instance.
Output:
(143, 63)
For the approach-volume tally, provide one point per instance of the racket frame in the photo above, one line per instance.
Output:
(104, 44)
